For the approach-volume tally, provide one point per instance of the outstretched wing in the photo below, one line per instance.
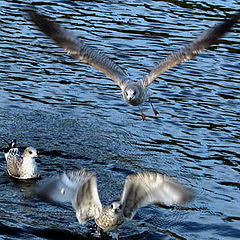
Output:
(78, 187)
(78, 49)
(87, 202)
(61, 189)
(188, 52)
(150, 187)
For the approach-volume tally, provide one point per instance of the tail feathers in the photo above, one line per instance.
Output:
(12, 144)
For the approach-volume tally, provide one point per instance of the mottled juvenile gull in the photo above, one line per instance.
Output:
(80, 188)
(134, 93)
(21, 166)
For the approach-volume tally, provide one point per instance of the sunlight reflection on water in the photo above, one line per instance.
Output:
(76, 117)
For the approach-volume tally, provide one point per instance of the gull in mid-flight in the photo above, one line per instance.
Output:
(21, 166)
(134, 92)
(80, 188)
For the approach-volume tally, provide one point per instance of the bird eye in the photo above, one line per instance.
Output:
(30, 152)
(112, 205)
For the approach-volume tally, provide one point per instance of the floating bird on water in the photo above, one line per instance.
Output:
(21, 167)
(80, 188)
(134, 93)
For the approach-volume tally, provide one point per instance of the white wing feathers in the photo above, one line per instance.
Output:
(78, 187)
(61, 189)
(88, 204)
(147, 188)
(78, 49)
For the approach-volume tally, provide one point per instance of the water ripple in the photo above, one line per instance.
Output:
(76, 117)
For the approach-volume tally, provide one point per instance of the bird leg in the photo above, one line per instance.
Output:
(100, 232)
(154, 109)
(118, 236)
(143, 115)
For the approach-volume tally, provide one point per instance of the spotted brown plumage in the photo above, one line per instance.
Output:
(21, 166)
(80, 188)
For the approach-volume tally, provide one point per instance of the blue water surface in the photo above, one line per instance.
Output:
(76, 117)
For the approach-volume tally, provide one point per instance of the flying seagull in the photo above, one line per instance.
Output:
(80, 188)
(21, 166)
(134, 92)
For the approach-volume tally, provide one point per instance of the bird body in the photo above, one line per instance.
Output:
(80, 188)
(111, 218)
(133, 92)
(21, 167)
(29, 167)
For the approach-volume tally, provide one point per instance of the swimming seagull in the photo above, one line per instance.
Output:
(21, 167)
(80, 188)
(134, 93)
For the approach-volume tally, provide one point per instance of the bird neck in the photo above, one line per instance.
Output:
(28, 162)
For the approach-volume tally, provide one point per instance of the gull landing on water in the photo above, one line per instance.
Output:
(80, 188)
(21, 167)
(134, 93)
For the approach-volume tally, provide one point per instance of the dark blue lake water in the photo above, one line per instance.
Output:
(76, 117)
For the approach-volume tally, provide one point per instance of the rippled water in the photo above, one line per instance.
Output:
(76, 117)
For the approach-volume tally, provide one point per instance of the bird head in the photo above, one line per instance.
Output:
(116, 206)
(30, 152)
(134, 93)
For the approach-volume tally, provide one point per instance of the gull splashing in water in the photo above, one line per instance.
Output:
(80, 188)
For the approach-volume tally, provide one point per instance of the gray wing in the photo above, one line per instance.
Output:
(188, 52)
(61, 189)
(87, 202)
(78, 49)
(78, 187)
(14, 162)
(150, 187)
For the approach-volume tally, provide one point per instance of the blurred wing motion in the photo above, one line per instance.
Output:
(78, 187)
(87, 203)
(61, 189)
(78, 49)
(141, 189)
(190, 51)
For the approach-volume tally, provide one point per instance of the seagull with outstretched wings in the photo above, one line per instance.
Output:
(80, 188)
(134, 92)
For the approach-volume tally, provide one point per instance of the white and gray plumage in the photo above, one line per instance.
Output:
(134, 93)
(80, 188)
(21, 166)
